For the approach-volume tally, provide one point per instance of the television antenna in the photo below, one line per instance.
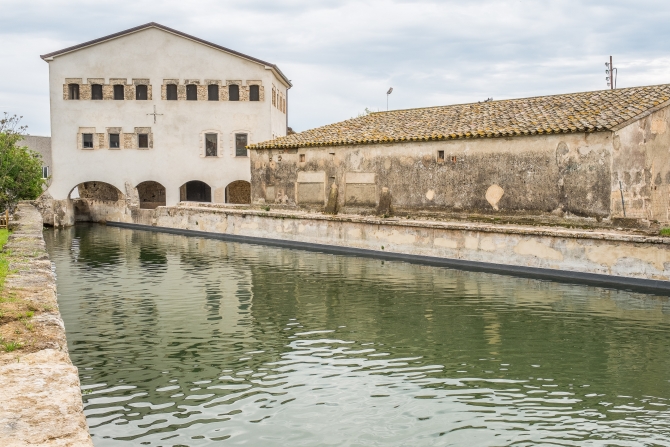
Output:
(612, 74)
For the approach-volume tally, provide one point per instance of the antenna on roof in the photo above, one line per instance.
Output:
(612, 74)
(387, 98)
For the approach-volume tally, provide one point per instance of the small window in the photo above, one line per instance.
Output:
(254, 94)
(118, 93)
(143, 140)
(440, 155)
(114, 141)
(45, 171)
(96, 91)
(213, 92)
(171, 92)
(87, 140)
(211, 144)
(234, 92)
(240, 145)
(192, 92)
(73, 91)
(302, 158)
(141, 92)
(453, 159)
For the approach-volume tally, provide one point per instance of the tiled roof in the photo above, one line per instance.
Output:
(574, 112)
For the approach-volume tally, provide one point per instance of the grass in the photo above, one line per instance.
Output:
(4, 262)
(665, 231)
(10, 346)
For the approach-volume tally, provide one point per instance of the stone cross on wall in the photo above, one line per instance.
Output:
(155, 114)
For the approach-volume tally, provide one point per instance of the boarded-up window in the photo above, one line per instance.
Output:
(96, 91)
(192, 92)
(73, 91)
(143, 140)
(254, 94)
(87, 140)
(212, 92)
(211, 144)
(118, 93)
(114, 140)
(171, 92)
(141, 92)
(234, 92)
(240, 145)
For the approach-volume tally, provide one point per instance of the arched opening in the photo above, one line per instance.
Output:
(195, 191)
(152, 195)
(96, 191)
(238, 192)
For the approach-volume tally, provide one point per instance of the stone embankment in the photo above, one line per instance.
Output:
(40, 395)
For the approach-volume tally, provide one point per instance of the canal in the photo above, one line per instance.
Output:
(185, 341)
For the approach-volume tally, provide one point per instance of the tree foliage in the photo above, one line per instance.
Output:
(20, 168)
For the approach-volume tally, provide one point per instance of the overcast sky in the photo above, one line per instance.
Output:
(342, 56)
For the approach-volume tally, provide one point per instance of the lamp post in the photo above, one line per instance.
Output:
(387, 98)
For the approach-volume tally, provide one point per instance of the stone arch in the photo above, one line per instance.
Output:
(195, 191)
(238, 191)
(97, 191)
(151, 194)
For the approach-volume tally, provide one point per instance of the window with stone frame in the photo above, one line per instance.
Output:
(114, 141)
(73, 91)
(233, 92)
(96, 91)
(211, 144)
(87, 140)
(241, 142)
(171, 92)
(212, 92)
(143, 140)
(119, 93)
(141, 92)
(192, 92)
(254, 93)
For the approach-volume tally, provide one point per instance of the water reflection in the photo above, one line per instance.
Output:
(185, 341)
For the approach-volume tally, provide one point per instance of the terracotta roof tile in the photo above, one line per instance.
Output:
(574, 112)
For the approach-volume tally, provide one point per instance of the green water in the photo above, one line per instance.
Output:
(192, 342)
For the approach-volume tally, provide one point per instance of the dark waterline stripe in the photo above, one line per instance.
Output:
(591, 279)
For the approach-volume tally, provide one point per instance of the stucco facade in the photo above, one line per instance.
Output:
(153, 56)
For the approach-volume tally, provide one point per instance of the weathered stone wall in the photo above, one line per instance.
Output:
(523, 175)
(40, 397)
(99, 191)
(238, 192)
(151, 195)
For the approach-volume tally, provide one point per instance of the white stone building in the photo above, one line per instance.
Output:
(158, 110)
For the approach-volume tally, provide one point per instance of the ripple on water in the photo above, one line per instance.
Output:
(188, 341)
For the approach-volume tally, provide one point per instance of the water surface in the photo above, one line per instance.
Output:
(186, 341)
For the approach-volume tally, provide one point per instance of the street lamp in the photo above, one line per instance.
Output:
(387, 98)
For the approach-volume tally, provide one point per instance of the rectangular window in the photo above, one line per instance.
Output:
(213, 92)
(118, 93)
(96, 91)
(302, 158)
(141, 92)
(87, 140)
(114, 141)
(211, 144)
(45, 171)
(240, 145)
(254, 94)
(234, 92)
(143, 140)
(440, 155)
(192, 92)
(171, 92)
(73, 91)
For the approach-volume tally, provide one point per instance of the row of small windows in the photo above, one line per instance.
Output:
(115, 140)
(141, 92)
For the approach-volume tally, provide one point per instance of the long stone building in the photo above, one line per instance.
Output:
(156, 113)
(590, 154)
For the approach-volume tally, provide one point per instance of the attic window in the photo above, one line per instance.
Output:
(87, 141)
(96, 91)
(114, 140)
(143, 140)
(254, 94)
(171, 92)
(192, 92)
(234, 92)
(73, 91)
(141, 92)
(212, 92)
(118, 93)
